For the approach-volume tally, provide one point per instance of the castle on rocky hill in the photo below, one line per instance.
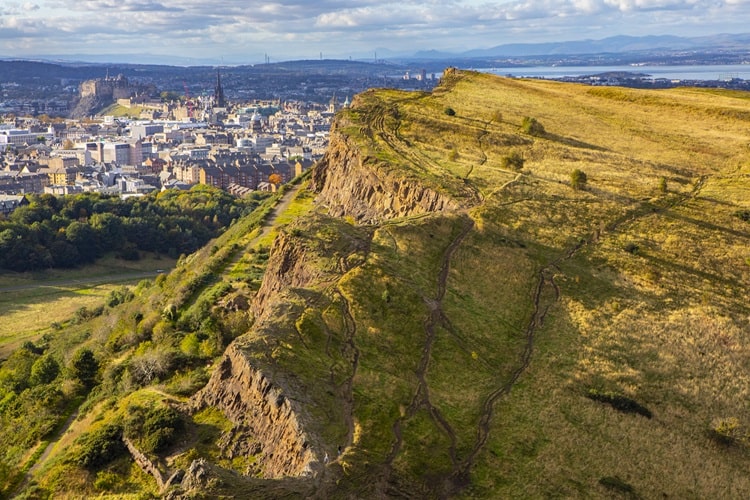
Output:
(110, 88)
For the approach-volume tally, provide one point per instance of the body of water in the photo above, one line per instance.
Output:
(708, 72)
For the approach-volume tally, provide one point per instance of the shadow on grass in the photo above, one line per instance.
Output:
(569, 141)
(706, 225)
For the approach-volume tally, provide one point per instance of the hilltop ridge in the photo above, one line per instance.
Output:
(499, 288)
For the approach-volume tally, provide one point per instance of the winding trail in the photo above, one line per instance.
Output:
(413, 156)
(347, 388)
(421, 397)
(542, 300)
(546, 293)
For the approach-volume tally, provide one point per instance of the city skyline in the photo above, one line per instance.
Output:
(234, 32)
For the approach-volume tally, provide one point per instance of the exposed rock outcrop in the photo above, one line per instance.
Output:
(88, 106)
(150, 467)
(268, 412)
(373, 192)
(253, 402)
(287, 268)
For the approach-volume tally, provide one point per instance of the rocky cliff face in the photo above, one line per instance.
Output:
(286, 268)
(260, 410)
(264, 409)
(267, 408)
(373, 192)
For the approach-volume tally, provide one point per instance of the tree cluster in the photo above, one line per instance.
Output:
(77, 229)
(32, 402)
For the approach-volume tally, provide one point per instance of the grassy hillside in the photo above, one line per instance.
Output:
(589, 341)
(559, 335)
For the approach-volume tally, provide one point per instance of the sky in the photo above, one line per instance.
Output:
(245, 31)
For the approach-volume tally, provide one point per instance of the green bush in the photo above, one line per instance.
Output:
(119, 296)
(84, 367)
(16, 370)
(152, 428)
(631, 247)
(743, 214)
(728, 431)
(513, 161)
(578, 179)
(44, 370)
(84, 314)
(99, 448)
(531, 126)
(450, 111)
(616, 484)
(188, 383)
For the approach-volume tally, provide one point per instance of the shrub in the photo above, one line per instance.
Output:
(190, 345)
(84, 314)
(616, 484)
(743, 214)
(578, 179)
(100, 447)
(149, 365)
(663, 185)
(631, 248)
(531, 126)
(728, 431)
(188, 383)
(119, 296)
(44, 370)
(153, 428)
(84, 367)
(513, 161)
(170, 312)
(450, 111)
(16, 371)
(106, 480)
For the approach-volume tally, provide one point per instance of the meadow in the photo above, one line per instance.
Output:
(36, 303)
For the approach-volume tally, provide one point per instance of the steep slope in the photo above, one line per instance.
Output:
(452, 324)
(459, 314)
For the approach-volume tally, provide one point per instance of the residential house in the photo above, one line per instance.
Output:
(8, 203)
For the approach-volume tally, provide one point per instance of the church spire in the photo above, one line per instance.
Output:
(219, 99)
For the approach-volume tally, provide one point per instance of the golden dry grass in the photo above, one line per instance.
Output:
(652, 306)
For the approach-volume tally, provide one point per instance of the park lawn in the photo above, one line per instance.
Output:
(34, 303)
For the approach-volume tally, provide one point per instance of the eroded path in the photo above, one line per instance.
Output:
(421, 398)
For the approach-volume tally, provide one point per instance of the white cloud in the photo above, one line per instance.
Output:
(291, 27)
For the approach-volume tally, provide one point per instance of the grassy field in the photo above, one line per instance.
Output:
(121, 111)
(32, 303)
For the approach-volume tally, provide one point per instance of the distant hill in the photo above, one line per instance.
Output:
(621, 44)
(612, 45)
(504, 288)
